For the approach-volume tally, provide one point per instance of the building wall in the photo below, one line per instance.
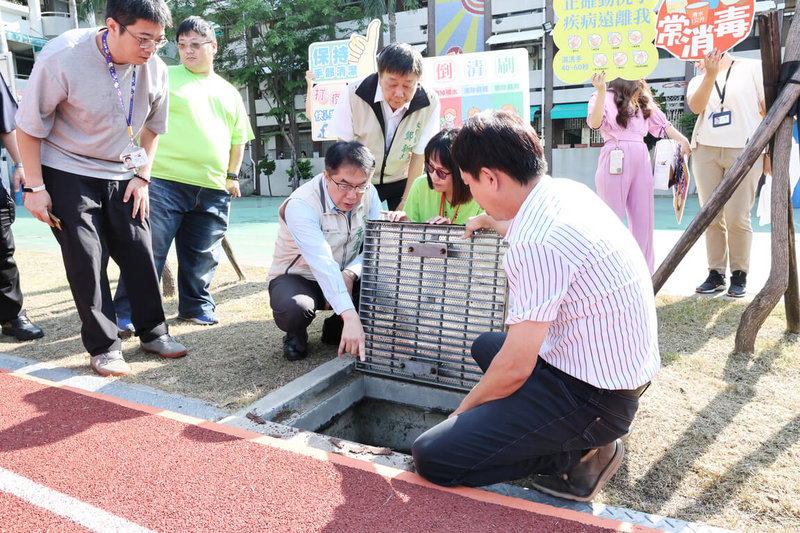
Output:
(508, 18)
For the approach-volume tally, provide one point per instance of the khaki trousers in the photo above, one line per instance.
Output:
(730, 234)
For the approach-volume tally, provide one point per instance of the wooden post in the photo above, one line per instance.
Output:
(766, 300)
(234, 263)
(782, 237)
(769, 29)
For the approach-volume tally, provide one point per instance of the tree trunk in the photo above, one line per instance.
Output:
(392, 23)
(766, 300)
(73, 13)
(778, 282)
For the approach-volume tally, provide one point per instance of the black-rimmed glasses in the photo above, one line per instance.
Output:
(346, 187)
(146, 44)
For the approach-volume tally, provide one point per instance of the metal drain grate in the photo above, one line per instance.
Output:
(426, 294)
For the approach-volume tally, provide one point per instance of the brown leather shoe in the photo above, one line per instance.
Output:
(585, 480)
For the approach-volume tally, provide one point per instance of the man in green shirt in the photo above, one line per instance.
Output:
(195, 173)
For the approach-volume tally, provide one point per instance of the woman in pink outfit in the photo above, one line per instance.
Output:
(624, 177)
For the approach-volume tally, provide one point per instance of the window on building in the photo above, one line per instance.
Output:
(573, 129)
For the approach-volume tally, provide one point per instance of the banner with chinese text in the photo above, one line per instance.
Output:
(470, 83)
(690, 30)
(465, 83)
(600, 36)
(459, 26)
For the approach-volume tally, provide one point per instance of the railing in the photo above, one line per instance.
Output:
(55, 23)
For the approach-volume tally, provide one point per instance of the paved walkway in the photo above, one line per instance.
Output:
(77, 461)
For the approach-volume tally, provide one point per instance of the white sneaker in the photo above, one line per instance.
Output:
(110, 364)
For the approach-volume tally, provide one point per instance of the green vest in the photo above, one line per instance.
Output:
(368, 127)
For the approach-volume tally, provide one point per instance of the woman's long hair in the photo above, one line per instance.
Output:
(440, 145)
(629, 96)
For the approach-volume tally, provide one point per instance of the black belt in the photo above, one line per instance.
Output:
(633, 393)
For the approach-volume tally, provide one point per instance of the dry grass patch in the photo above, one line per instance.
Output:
(229, 365)
(717, 438)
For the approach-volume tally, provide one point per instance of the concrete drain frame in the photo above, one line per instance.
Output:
(426, 294)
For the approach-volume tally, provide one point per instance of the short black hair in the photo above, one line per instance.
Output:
(502, 141)
(350, 153)
(400, 58)
(127, 12)
(440, 146)
(197, 25)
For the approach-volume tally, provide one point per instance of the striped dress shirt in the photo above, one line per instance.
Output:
(572, 263)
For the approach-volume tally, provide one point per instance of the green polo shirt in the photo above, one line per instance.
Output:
(423, 203)
(206, 117)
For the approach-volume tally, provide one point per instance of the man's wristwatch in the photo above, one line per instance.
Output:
(34, 189)
(232, 176)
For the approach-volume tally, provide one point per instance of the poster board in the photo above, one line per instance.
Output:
(470, 83)
(611, 37)
(465, 83)
(334, 64)
(691, 29)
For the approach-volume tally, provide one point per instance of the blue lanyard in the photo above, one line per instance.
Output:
(113, 72)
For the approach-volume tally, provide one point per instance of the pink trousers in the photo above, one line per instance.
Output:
(630, 193)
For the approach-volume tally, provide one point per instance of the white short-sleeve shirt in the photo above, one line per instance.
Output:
(572, 263)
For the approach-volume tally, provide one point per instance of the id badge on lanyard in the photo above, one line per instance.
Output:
(133, 156)
(721, 118)
(615, 161)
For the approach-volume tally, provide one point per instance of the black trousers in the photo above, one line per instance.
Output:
(295, 301)
(97, 224)
(544, 427)
(10, 293)
(392, 193)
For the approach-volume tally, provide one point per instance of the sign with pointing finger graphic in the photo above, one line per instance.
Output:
(334, 64)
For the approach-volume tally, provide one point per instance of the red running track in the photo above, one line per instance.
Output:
(92, 458)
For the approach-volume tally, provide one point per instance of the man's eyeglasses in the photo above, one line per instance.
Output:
(346, 187)
(193, 46)
(146, 44)
(433, 171)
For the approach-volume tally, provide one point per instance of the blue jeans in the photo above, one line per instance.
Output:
(197, 219)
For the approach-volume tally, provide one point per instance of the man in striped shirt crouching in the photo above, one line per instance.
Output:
(561, 387)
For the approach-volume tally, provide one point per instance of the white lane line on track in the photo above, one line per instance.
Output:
(84, 514)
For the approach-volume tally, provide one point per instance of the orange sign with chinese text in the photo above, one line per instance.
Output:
(690, 29)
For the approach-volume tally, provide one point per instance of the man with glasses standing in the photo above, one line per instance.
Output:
(97, 98)
(317, 259)
(195, 173)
